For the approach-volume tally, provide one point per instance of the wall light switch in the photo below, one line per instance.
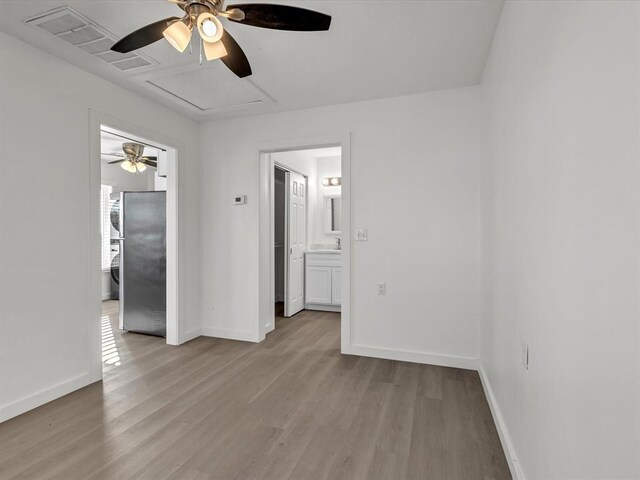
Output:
(239, 199)
(361, 235)
(382, 288)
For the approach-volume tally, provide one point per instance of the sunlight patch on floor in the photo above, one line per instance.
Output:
(110, 354)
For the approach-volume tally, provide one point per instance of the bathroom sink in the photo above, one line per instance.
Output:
(324, 250)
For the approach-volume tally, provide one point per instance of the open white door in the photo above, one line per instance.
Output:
(296, 241)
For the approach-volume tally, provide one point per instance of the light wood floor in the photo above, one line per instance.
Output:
(291, 407)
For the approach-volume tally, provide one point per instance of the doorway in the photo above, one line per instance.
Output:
(325, 284)
(133, 212)
(130, 162)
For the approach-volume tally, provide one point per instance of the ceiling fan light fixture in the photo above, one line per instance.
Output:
(140, 167)
(178, 34)
(214, 51)
(129, 166)
(209, 27)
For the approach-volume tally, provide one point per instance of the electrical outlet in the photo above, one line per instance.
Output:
(525, 355)
(382, 288)
(361, 235)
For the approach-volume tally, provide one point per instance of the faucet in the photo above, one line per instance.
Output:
(339, 244)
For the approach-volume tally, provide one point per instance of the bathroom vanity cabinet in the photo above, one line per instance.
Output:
(323, 280)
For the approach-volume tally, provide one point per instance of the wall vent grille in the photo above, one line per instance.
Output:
(77, 30)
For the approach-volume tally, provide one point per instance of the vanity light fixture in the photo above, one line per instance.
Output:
(332, 181)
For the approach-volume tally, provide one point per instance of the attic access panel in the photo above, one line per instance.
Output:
(209, 88)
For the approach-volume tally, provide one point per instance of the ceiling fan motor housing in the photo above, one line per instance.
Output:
(195, 7)
(134, 150)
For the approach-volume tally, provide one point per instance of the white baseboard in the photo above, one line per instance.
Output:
(106, 296)
(323, 308)
(501, 426)
(46, 395)
(241, 335)
(467, 363)
(190, 335)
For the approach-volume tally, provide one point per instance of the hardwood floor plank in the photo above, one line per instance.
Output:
(291, 407)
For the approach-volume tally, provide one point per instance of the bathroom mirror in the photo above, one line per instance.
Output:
(332, 214)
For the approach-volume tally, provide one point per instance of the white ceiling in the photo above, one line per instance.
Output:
(374, 49)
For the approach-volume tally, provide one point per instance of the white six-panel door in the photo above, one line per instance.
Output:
(296, 236)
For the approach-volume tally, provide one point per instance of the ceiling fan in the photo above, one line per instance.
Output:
(132, 160)
(202, 15)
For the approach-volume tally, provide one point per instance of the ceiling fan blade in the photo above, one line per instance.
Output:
(111, 154)
(151, 163)
(143, 36)
(235, 59)
(117, 161)
(282, 17)
(153, 159)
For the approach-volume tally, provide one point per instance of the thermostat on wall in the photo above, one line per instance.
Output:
(239, 199)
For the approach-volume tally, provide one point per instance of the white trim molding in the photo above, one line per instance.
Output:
(466, 363)
(46, 395)
(241, 335)
(505, 439)
(190, 335)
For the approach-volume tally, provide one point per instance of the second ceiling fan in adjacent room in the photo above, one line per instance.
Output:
(132, 160)
(216, 42)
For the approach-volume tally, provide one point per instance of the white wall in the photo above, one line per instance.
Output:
(106, 285)
(415, 170)
(562, 197)
(45, 242)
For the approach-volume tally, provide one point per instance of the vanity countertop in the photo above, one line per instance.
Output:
(325, 251)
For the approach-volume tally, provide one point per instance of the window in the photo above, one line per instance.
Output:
(105, 224)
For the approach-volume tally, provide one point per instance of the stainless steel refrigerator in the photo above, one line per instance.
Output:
(143, 262)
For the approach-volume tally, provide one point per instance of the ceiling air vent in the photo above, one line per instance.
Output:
(76, 29)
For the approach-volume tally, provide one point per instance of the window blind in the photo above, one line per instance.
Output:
(105, 230)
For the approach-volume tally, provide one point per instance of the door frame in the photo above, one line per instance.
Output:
(175, 325)
(266, 305)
